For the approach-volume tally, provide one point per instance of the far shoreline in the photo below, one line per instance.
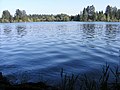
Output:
(63, 22)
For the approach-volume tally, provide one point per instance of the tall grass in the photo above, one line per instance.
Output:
(109, 79)
(68, 82)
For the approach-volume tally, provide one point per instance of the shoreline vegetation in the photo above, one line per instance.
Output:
(111, 14)
(109, 80)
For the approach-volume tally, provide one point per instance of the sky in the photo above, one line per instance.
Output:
(70, 7)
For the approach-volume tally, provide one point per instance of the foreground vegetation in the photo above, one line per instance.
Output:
(88, 14)
(109, 79)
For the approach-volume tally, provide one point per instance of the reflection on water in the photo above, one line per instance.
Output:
(21, 30)
(7, 30)
(111, 31)
(89, 30)
(32, 49)
(18, 30)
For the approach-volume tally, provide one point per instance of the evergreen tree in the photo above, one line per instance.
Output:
(108, 17)
(85, 15)
(108, 12)
(91, 12)
(114, 13)
(118, 15)
(101, 16)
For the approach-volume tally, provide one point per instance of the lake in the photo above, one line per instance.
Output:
(31, 52)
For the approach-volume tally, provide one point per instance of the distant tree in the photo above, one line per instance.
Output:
(0, 20)
(108, 12)
(88, 14)
(66, 18)
(11, 19)
(6, 16)
(77, 18)
(114, 13)
(108, 17)
(62, 17)
(85, 15)
(96, 16)
(53, 18)
(20, 15)
(72, 18)
(118, 15)
(101, 16)
(24, 13)
(24, 16)
(91, 12)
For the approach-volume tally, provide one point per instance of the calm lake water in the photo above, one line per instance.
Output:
(34, 51)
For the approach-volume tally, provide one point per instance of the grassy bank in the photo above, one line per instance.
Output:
(109, 79)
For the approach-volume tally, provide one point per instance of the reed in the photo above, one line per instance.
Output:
(68, 82)
(109, 79)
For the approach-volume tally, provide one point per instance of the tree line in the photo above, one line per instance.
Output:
(88, 14)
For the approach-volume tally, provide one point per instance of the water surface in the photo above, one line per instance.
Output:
(33, 51)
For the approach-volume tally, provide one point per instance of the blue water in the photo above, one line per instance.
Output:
(34, 51)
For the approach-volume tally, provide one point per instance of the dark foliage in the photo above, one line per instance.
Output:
(88, 14)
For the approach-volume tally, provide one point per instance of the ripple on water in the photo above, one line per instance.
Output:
(29, 50)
